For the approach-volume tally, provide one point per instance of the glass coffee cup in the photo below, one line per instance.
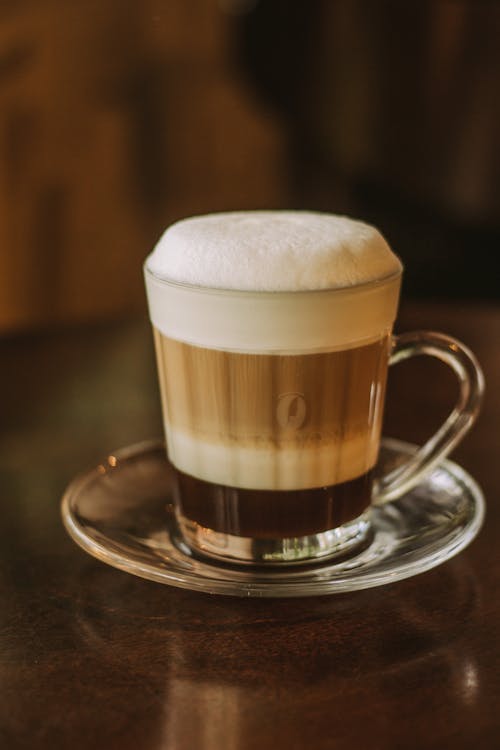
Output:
(273, 404)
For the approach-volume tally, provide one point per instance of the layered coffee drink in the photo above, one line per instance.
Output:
(272, 333)
(274, 423)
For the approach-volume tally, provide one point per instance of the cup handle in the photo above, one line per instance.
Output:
(471, 382)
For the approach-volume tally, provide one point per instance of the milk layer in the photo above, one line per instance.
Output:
(241, 466)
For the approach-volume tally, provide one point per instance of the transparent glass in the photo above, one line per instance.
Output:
(273, 407)
(278, 483)
(471, 387)
(274, 452)
(122, 513)
(303, 496)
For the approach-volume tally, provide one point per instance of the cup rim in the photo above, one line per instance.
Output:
(347, 289)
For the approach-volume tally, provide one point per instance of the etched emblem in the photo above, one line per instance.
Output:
(291, 411)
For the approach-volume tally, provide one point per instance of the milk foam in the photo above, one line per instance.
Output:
(295, 282)
(272, 251)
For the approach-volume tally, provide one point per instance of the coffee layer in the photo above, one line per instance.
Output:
(268, 514)
(278, 422)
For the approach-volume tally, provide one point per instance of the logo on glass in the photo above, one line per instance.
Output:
(291, 411)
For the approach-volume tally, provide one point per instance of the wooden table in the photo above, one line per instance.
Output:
(93, 658)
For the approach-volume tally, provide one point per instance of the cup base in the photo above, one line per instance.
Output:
(228, 548)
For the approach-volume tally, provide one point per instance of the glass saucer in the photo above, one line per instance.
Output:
(121, 512)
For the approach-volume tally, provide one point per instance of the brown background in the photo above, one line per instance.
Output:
(118, 117)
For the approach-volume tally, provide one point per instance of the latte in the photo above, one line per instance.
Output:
(272, 333)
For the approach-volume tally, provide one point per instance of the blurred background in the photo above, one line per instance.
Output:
(118, 117)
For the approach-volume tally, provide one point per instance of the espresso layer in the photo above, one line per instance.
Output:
(272, 422)
(271, 514)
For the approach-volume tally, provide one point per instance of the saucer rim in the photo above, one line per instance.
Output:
(268, 583)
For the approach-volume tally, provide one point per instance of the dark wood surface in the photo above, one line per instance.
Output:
(91, 657)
